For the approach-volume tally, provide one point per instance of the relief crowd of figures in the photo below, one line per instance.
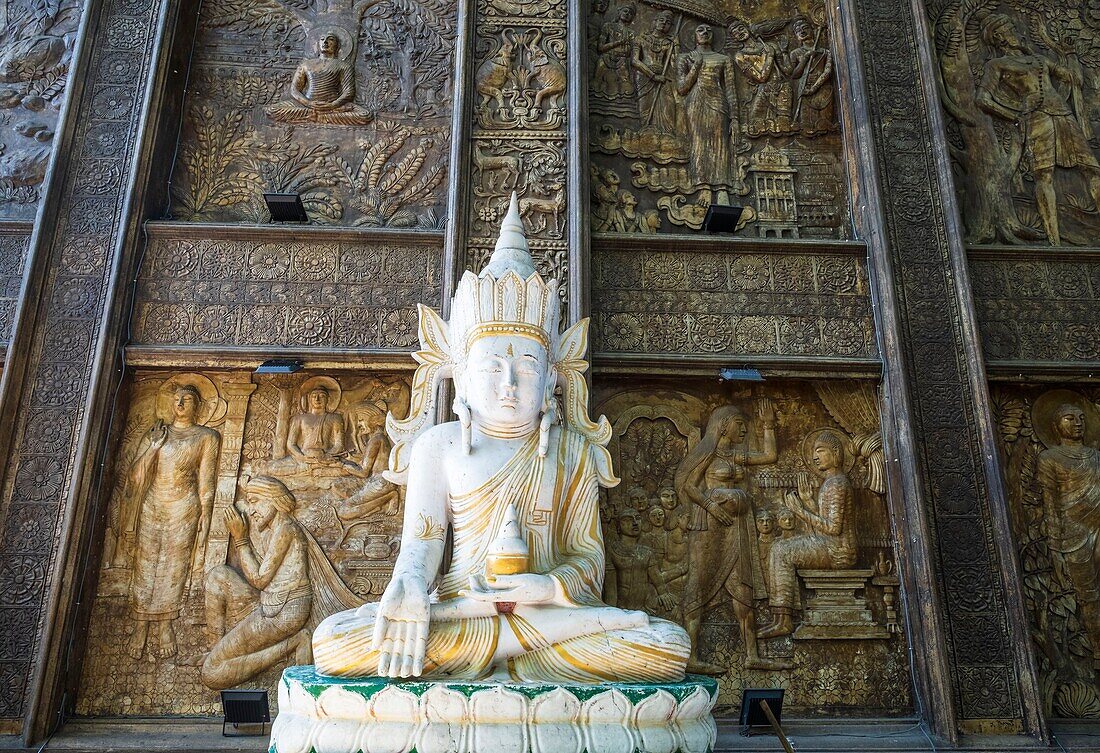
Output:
(691, 104)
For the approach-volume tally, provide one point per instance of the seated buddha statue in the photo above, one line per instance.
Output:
(322, 90)
(519, 597)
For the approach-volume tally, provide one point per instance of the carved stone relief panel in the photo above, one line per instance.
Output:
(36, 43)
(755, 517)
(180, 611)
(1050, 441)
(705, 302)
(694, 103)
(1019, 85)
(519, 130)
(346, 103)
(13, 255)
(338, 293)
(1037, 310)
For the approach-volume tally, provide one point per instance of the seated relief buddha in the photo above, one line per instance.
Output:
(519, 599)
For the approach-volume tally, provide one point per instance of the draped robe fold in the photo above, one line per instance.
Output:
(556, 501)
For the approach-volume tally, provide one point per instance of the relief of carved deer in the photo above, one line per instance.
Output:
(549, 74)
(493, 74)
(552, 206)
(510, 166)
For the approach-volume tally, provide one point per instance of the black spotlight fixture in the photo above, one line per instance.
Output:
(722, 219)
(279, 366)
(247, 707)
(286, 207)
(763, 707)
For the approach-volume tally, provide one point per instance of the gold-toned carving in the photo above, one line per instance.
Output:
(1051, 444)
(322, 89)
(171, 500)
(521, 82)
(741, 462)
(282, 553)
(693, 107)
(1014, 84)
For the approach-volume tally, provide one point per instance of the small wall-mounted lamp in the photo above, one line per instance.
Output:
(740, 375)
(279, 366)
(286, 207)
(722, 219)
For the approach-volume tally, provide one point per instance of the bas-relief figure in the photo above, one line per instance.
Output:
(689, 108)
(542, 619)
(1051, 442)
(172, 487)
(282, 553)
(1022, 110)
(359, 128)
(791, 579)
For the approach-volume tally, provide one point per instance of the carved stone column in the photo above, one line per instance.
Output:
(58, 388)
(976, 672)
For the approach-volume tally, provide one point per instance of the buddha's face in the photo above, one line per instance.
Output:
(318, 398)
(1070, 423)
(330, 46)
(504, 381)
(825, 457)
(668, 499)
(657, 517)
(704, 35)
(185, 406)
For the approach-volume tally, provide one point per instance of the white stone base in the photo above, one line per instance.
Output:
(320, 714)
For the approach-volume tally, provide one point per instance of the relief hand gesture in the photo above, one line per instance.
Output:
(766, 410)
(401, 629)
(236, 523)
(805, 489)
(525, 588)
(158, 435)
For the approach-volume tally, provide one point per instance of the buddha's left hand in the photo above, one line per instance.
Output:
(525, 588)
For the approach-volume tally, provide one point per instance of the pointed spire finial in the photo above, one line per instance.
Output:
(511, 252)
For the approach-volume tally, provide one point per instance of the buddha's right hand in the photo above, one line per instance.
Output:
(401, 628)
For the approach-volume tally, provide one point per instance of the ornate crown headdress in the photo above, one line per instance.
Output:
(507, 297)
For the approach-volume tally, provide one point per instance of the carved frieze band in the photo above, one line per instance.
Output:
(1038, 310)
(986, 683)
(339, 293)
(683, 302)
(59, 365)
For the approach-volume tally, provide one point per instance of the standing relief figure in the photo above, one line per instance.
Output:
(172, 484)
(723, 551)
(613, 80)
(655, 58)
(1069, 474)
(831, 545)
(762, 65)
(810, 66)
(1018, 87)
(705, 80)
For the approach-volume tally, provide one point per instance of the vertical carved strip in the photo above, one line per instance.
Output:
(927, 344)
(49, 396)
(519, 134)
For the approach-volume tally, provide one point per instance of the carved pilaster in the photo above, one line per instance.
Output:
(55, 396)
(977, 672)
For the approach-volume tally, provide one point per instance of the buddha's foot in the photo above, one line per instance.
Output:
(136, 646)
(700, 667)
(775, 630)
(165, 646)
(769, 665)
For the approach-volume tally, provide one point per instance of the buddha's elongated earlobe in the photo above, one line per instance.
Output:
(465, 419)
(549, 418)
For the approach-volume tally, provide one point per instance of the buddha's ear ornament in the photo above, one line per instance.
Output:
(435, 364)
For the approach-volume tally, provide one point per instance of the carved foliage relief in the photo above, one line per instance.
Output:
(337, 294)
(36, 41)
(519, 128)
(1037, 310)
(13, 254)
(344, 102)
(684, 302)
(1019, 83)
(1050, 442)
(176, 615)
(733, 513)
(694, 103)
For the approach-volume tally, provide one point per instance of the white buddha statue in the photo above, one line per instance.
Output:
(499, 609)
